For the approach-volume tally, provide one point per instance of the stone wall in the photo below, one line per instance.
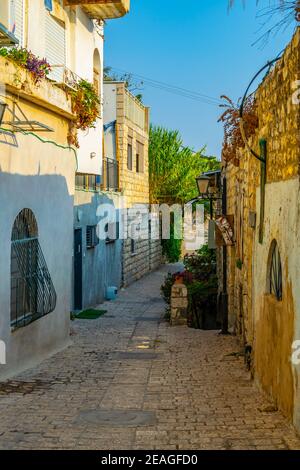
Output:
(269, 329)
(133, 126)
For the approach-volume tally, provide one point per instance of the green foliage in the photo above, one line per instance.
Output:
(171, 249)
(201, 281)
(39, 68)
(86, 107)
(166, 292)
(239, 264)
(203, 290)
(173, 168)
(202, 265)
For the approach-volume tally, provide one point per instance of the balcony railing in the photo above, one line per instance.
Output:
(64, 76)
(102, 9)
(111, 172)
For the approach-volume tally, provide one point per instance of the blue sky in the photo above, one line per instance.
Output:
(196, 45)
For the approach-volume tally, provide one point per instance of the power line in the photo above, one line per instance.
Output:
(196, 96)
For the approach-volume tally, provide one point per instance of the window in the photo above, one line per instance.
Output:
(17, 16)
(55, 43)
(139, 157)
(32, 291)
(87, 182)
(275, 272)
(129, 153)
(92, 239)
(132, 246)
(112, 231)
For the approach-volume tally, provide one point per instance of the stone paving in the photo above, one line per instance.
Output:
(130, 381)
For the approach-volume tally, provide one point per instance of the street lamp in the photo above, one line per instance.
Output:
(203, 184)
(2, 111)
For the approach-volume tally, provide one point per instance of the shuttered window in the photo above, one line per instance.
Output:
(139, 157)
(55, 41)
(17, 19)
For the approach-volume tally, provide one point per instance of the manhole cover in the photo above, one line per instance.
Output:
(142, 356)
(118, 418)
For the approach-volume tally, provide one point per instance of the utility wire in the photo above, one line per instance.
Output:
(196, 96)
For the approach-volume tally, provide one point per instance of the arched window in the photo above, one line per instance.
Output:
(32, 292)
(97, 71)
(275, 271)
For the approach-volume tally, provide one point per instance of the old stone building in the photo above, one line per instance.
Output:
(263, 276)
(126, 141)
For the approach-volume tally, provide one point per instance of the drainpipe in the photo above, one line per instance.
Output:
(224, 300)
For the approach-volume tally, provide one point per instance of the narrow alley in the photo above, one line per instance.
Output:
(130, 381)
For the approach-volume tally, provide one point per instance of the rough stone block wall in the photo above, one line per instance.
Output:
(179, 305)
(134, 185)
(279, 124)
(135, 265)
(155, 254)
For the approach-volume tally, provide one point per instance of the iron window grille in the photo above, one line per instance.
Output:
(112, 230)
(92, 239)
(112, 174)
(87, 182)
(32, 292)
(275, 273)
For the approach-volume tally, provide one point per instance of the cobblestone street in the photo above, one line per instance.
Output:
(130, 381)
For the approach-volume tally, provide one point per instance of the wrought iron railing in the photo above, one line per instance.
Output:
(32, 292)
(64, 76)
(111, 172)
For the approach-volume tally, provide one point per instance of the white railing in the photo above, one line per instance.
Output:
(134, 110)
(64, 76)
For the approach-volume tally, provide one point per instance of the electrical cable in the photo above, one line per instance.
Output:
(172, 88)
(46, 141)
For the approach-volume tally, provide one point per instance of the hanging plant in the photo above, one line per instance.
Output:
(86, 107)
(85, 104)
(233, 140)
(39, 68)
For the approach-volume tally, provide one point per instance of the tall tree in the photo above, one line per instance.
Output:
(173, 168)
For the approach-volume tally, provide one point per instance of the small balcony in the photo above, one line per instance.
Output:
(102, 9)
(64, 77)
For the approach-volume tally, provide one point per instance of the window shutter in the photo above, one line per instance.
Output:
(55, 46)
(17, 19)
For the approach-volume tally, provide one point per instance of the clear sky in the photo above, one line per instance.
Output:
(192, 44)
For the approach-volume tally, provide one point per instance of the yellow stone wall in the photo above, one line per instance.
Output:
(135, 186)
(269, 329)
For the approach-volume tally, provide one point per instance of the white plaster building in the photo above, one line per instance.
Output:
(37, 178)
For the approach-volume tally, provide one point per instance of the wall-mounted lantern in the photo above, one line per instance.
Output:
(203, 184)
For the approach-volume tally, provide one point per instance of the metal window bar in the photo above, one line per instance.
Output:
(276, 274)
(112, 174)
(33, 293)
